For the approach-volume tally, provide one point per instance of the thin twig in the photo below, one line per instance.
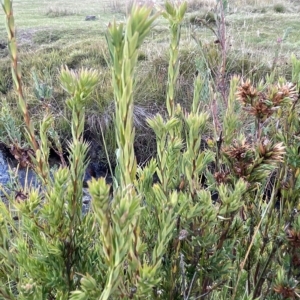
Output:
(191, 285)
(211, 289)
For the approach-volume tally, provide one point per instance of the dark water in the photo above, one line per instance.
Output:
(4, 169)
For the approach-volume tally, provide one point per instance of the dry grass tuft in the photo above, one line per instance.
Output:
(194, 5)
(56, 12)
(97, 122)
(101, 127)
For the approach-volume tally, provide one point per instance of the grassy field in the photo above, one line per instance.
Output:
(253, 26)
(56, 21)
(260, 37)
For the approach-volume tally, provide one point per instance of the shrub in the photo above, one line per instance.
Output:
(279, 8)
(193, 222)
(194, 5)
(207, 18)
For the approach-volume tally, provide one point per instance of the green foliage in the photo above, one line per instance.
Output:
(42, 90)
(174, 14)
(215, 220)
(11, 133)
(279, 8)
(123, 48)
(49, 268)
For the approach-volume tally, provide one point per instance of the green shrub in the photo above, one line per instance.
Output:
(279, 8)
(207, 18)
(193, 222)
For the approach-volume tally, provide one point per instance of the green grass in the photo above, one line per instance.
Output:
(33, 16)
(254, 32)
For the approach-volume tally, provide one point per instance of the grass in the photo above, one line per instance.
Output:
(31, 14)
(56, 12)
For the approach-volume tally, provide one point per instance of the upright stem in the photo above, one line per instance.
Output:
(123, 47)
(174, 14)
(223, 44)
(17, 78)
(16, 69)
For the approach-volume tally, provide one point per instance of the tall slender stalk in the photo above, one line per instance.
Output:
(17, 78)
(174, 14)
(123, 48)
(16, 69)
(79, 85)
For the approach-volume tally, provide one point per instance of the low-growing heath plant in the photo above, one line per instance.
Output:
(206, 218)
